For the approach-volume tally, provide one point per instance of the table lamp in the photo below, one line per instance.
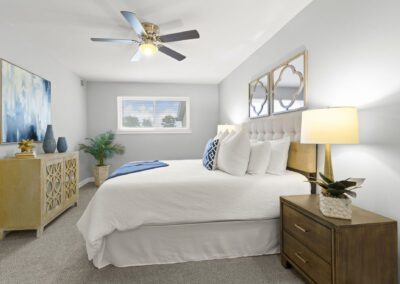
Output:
(336, 125)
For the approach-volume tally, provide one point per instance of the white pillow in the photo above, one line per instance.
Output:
(230, 135)
(222, 135)
(260, 155)
(279, 156)
(234, 153)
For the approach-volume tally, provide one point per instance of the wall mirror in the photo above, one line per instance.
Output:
(289, 85)
(259, 96)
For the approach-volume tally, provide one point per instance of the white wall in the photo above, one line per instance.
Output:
(68, 96)
(354, 59)
(102, 116)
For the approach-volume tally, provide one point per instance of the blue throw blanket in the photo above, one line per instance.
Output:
(137, 167)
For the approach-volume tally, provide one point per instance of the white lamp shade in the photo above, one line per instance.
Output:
(223, 127)
(337, 125)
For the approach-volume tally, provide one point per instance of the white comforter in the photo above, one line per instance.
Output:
(184, 192)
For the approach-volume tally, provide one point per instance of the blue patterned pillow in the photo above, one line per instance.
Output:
(210, 154)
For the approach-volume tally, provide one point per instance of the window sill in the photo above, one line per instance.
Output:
(155, 131)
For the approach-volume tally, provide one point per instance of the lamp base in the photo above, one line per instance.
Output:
(328, 171)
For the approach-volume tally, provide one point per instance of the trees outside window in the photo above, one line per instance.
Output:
(147, 122)
(168, 121)
(131, 121)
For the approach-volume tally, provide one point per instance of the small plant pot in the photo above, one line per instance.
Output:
(335, 207)
(101, 174)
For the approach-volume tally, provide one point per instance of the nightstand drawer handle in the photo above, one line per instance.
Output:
(301, 258)
(300, 228)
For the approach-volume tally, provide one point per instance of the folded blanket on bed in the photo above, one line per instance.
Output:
(135, 167)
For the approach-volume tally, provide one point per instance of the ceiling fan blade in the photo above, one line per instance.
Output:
(134, 22)
(192, 34)
(137, 56)
(170, 52)
(115, 40)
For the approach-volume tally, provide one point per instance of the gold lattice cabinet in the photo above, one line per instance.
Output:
(33, 192)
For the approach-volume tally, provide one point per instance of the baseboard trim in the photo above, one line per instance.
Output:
(85, 181)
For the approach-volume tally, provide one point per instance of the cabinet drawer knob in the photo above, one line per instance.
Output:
(300, 228)
(297, 254)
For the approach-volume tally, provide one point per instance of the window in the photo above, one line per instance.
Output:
(153, 114)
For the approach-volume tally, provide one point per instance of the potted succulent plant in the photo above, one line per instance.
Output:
(335, 195)
(102, 147)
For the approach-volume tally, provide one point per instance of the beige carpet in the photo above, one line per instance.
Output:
(59, 256)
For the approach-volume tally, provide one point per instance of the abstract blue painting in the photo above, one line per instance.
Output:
(25, 104)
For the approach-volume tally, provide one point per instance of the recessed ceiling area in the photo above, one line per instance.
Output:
(230, 31)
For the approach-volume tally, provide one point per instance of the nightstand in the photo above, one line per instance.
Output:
(329, 250)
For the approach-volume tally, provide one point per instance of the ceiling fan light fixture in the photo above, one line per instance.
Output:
(149, 39)
(148, 49)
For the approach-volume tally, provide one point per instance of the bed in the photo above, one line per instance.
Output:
(184, 212)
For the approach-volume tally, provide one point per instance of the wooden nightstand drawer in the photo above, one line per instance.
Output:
(312, 234)
(360, 250)
(314, 266)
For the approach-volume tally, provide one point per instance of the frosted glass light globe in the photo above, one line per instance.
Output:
(148, 49)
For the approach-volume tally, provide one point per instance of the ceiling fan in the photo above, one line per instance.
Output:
(150, 41)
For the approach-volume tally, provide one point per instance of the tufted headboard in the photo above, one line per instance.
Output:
(302, 157)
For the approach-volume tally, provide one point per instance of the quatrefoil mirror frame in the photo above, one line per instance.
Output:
(296, 99)
(262, 107)
(273, 104)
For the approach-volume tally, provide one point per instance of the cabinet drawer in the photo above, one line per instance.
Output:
(315, 236)
(314, 266)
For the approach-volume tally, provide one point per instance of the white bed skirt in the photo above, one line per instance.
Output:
(189, 242)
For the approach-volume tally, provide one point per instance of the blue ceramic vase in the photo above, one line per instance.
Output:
(49, 142)
(62, 146)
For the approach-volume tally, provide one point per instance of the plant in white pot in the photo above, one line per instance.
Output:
(102, 147)
(335, 195)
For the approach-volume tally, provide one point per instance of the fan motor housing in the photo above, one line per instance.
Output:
(152, 30)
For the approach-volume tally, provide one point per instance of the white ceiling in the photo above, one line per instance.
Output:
(230, 31)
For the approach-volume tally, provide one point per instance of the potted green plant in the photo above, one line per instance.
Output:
(335, 195)
(102, 147)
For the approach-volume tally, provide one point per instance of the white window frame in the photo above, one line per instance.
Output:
(128, 130)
